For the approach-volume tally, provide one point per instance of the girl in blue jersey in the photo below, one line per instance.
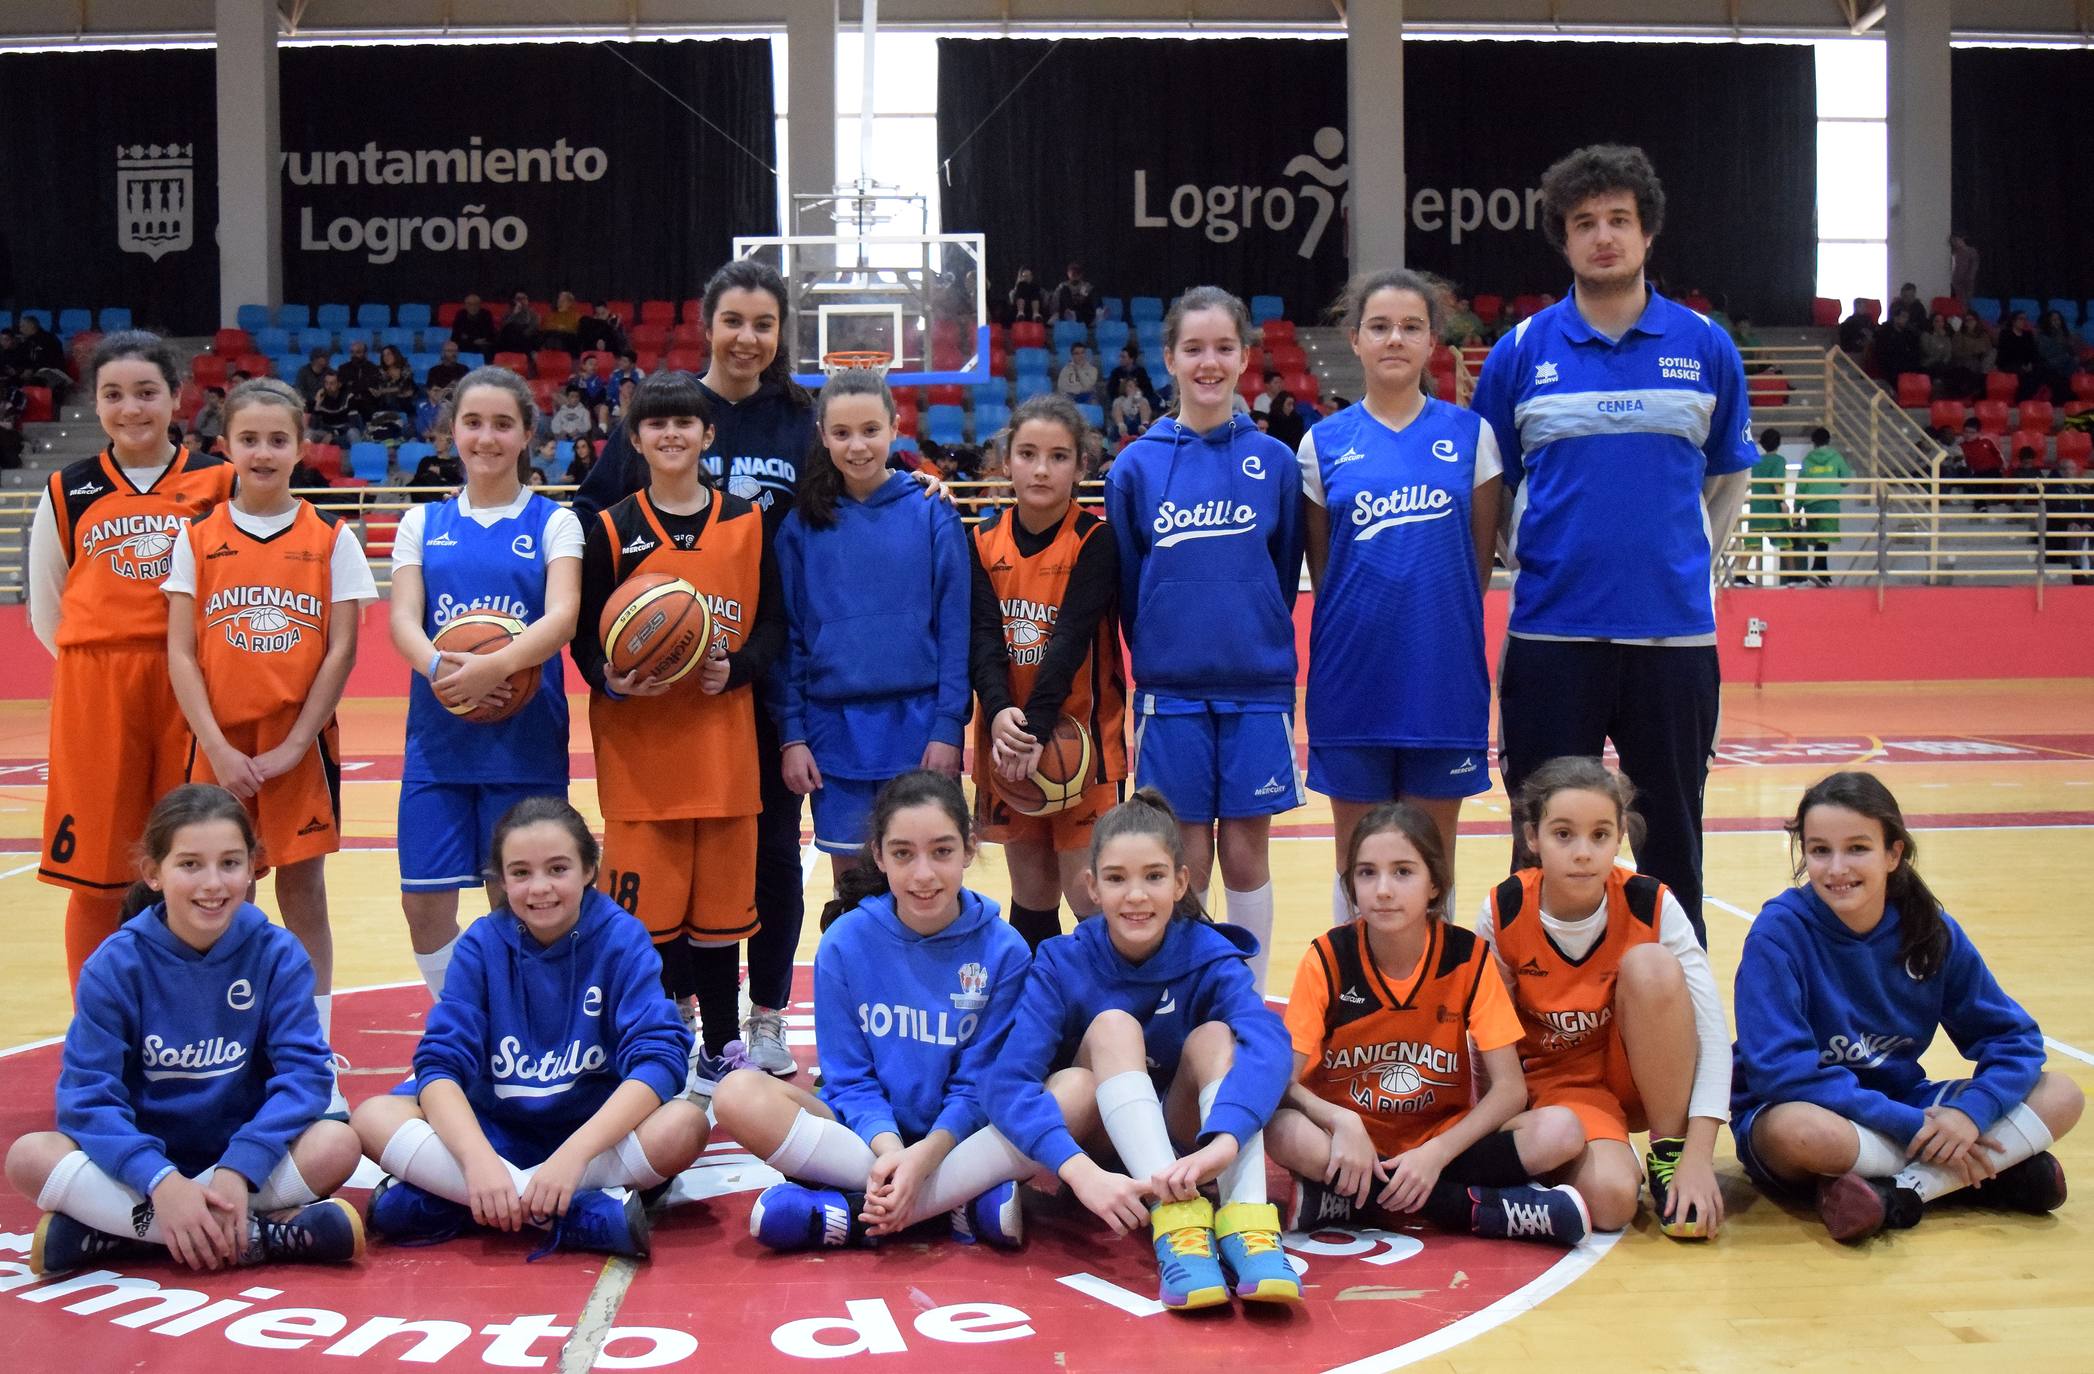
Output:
(550, 1069)
(194, 1076)
(915, 982)
(1207, 515)
(877, 595)
(496, 546)
(1153, 996)
(1402, 517)
(1842, 984)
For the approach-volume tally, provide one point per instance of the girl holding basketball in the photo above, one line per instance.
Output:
(1207, 514)
(877, 599)
(1844, 980)
(1620, 1018)
(263, 599)
(551, 1068)
(1402, 517)
(100, 545)
(194, 1076)
(496, 546)
(1381, 1123)
(1046, 644)
(915, 982)
(1152, 997)
(680, 844)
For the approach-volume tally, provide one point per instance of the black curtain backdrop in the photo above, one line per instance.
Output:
(1110, 131)
(2022, 188)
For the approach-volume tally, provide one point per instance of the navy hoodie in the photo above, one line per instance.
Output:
(908, 1023)
(1209, 528)
(1829, 1017)
(758, 445)
(180, 1060)
(540, 1036)
(1197, 975)
(875, 666)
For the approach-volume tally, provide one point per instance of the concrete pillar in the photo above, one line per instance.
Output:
(1374, 136)
(810, 112)
(1917, 32)
(250, 200)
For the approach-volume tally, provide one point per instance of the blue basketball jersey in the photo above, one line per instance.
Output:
(1396, 640)
(467, 566)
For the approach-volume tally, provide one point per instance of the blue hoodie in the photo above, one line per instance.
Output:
(758, 445)
(1829, 1017)
(875, 666)
(1210, 534)
(1197, 975)
(908, 1023)
(540, 1036)
(180, 1060)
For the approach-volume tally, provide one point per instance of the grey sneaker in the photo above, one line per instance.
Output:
(763, 1041)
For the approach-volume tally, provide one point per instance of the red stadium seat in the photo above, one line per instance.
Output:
(1766, 389)
(555, 364)
(496, 310)
(2038, 417)
(692, 311)
(254, 364)
(649, 338)
(1029, 334)
(2027, 439)
(997, 337)
(1278, 332)
(208, 369)
(188, 400)
(622, 310)
(688, 335)
(547, 391)
(2075, 445)
(2083, 386)
(2073, 408)
(1948, 415)
(1526, 303)
(325, 459)
(649, 359)
(947, 394)
(999, 363)
(1287, 358)
(1303, 386)
(1824, 312)
(2001, 386)
(1992, 417)
(657, 312)
(1487, 308)
(1948, 306)
(379, 531)
(230, 343)
(448, 312)
(685, 360)
(605, 361)
(36, 405)
(947, 355)
(1915, 389)
(1250, 385)
(1871, 310)
(519, 363)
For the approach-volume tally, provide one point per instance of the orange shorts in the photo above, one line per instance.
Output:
(118, 744)
(694, 878)
(1608, 1106)
(1069, 830)
(297, 815)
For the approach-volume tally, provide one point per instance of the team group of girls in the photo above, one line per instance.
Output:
(1487, 1081)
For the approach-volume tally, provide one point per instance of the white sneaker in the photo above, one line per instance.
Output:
(763, 1041)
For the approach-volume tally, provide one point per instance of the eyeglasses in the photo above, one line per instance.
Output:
(1379, 331)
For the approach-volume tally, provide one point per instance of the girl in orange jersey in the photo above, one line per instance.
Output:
(100, 545)
(1622, 1023)
(263, 599)
(1045, 644)
(1383, 1012)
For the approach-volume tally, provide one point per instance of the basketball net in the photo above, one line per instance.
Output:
(868, 360)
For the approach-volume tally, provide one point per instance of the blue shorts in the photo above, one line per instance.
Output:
(843, 813)
(447, 830)
(525, 1149)
(1218, 762)
(1379, 773)
(1930, 1092)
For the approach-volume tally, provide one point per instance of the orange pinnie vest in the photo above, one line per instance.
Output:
(119, 544)
(261, 611)
(1566, 1006)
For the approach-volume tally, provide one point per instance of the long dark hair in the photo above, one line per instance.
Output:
(747, 274)
(821, 483)
(1401, 818)
(193, 803)
(1923, 937)
(917, 787)
(1147, 813)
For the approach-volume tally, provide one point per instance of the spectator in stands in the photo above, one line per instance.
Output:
(601, 332)
(1285, 421)
(1262, 403)
(392, 403)
(562, 324)
(42, 360)
(597, 393)
(626, 387)
(1981, 458)
(1027, 300)
(2016, 353)
(1076, 299)
(11, 365)
(2068, 533)
(329, 417)
(474, 329)
(541, 462)
(1935, 347)
(447, 370)
(1079, 379)
(428, 415)
(1963, 266)
(584, 459)
(572, 420)
(14, 404)
(361, 378)
(208, 424)
(1768, 505)
(1818, 491)
(2057, 355)
(1129, 369)
(627, 372)
(1858, 331)
(1910, 307)
(388, 356)
(1131, 412)
(1897, 348)
(1970, 358)
(519, 331)
(306, 477)
(1462, 327)
(310, 376)
(439, 471)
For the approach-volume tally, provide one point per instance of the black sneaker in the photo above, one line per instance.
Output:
(62, 1243)
(1318, 1205)
(1854, 1208)
(325, 1232)
(2036, 1185)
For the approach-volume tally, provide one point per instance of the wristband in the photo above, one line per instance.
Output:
(158, 1179)
(436, 660)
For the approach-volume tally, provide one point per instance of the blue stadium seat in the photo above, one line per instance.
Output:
(113, 318)
(1031, 384)
(7, 319)
(563, 454)
(1067, 332)
(1986, 308)
(332, 316)
(1159, 375)
(410, 454)
(287, 364)
(906, 443)
(1150, 334)
(42, 317)
(945, 424)
(435, 336)
(2065, 306)
(374, 316)
(1112, 337)
(420, 363)
(413, 316)
(1094, 414)
(1030, 359)
(311, 337)
(995, 391)
(473, 360)
(2025, 303)
(75, 321)
(293, 316)
(1265, 308)
(367, 461)
(1144, 308)
(989, 417)
(1111, 309)
(355, 334)
(252, 318)
(271, 340)
(398, 337)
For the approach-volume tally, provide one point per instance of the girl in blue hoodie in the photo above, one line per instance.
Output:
(1207, 513)
(877, 595)
(915, 982)
(1154, 997)
(1842, 984)
(549, 1070)
(194, 1076)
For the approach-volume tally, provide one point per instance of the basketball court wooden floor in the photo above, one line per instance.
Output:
(1998, 777)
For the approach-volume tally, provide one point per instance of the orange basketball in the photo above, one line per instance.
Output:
(656, 625)
(483, 632)
(1057, 781)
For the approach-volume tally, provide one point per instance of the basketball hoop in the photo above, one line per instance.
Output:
(869, 360)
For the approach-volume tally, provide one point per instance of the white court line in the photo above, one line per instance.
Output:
(17, 872)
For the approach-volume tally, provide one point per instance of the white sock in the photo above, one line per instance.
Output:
(1253, 911)
(1133, 1119)
(624, 1165)
(323, 1005)
(2020, 1133)
(976, 1165)
(78, 1188)
(1341, 905)
(818, 1150)
(1876, 1155)
(435, 965)
(417, 1155)
(1244, 1179)
(285, 1187)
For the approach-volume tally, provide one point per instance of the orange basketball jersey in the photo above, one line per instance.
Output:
(1566, 1006)
(1030, 592)
(119, 543)
(261, 611)
(684, 755)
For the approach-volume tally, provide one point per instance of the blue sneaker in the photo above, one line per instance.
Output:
(324, 1232)
(1190, 1277)
(1555, 1215)
(600, 1224)
(1248, 1237)
(403, 1214)
(995, 1218)
(708, 1069)
(63, 1243)
(793, 1216)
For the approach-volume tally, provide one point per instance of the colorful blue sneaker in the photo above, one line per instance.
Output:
(402, 1214)
(995, 1218)
(793, 1216)
(1190, 1276)
(708, 1069)
(63, 1243)
(324, 1232)
(600, 1224)
(1555, 1215)
(1248, 1236)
